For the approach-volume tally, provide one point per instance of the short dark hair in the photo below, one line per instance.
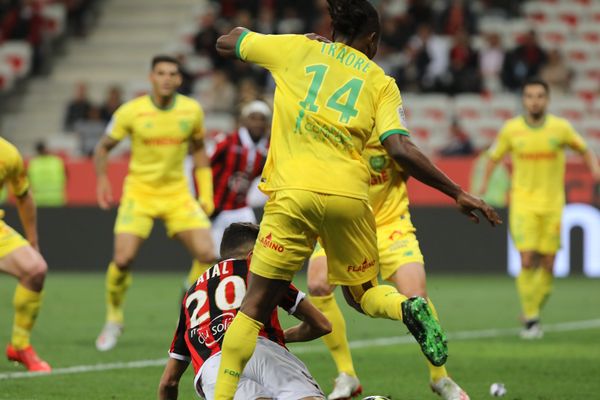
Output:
(353, 18)
(536, 81)
(40, 147)
(236, 236)
(165, 58)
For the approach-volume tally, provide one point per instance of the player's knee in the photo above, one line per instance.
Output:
(123, 259)
(35, 274)
(319, 288)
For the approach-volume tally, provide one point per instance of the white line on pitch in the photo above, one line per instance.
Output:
(355, 344)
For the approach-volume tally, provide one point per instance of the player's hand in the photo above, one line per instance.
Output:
(208, 205)
(104, 192)
(468, 204)
(318, 38)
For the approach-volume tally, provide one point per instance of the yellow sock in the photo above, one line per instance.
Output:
(526, 289)
(543, 286)
(196, 270)
(237, 348)
(383, 301)
(117, 282)
(27, 305)
(336, 341)
(435, 373)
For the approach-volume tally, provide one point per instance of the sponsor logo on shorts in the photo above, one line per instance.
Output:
(397, 234)
(267, 241)
(367, 264)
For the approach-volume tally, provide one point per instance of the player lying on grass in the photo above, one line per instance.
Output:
(207, 311)
(330, 98)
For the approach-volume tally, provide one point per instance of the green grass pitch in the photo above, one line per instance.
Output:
(564, 365)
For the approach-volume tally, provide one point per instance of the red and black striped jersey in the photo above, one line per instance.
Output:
(209, 307)
(236, 161)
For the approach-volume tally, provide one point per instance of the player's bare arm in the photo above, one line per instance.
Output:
(405, 153)
(487, 174)
(203, 175)
(168, 388)
(226, 43)
(103, 189)
(28, 215)
(591, 161)
(314, 324)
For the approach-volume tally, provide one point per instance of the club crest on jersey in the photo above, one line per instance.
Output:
(185, 125)
(377, 163)
(267, 241)
(365, 265)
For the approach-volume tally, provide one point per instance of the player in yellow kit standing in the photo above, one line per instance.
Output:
(329, 99)
(536, 141)
(400, 262)
(163, 127)
(21, 259)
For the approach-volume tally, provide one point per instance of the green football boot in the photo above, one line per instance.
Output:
(419, 320)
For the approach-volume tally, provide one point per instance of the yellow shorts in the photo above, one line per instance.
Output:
(397, 245)
(535, 231)
(293, 220)
(10, 240)
(180, 212)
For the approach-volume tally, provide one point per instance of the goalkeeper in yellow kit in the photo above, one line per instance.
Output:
(163, 126)
(537, 142)
(329, 100)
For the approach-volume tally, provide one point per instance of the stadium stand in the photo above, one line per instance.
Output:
(117, 53)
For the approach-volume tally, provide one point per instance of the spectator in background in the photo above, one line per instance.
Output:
(457, 17)
(248, 91)
(464, 66)
(265, 22)
(290, 21)
(47, 177)
(187, 78)
(523, 62)
(90, 130)
(459, 144)
(429, 52)
(217, 93)
(420, 12)
(113, 100)
(78, 107)
(557, 73)
(491, 58)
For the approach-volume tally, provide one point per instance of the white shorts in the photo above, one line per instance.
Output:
(226, 218)
(272, 372)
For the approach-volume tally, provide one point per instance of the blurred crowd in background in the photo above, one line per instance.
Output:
(451, 48)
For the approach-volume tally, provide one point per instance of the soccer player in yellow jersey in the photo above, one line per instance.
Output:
(536, 141)
(400, 262)
(329, 99)
(21, 259)
(163, 126)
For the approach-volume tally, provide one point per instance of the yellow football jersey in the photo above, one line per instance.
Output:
(387, 194)
(159, 140)
(329, 98)
(12, 169)
(538, 160)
